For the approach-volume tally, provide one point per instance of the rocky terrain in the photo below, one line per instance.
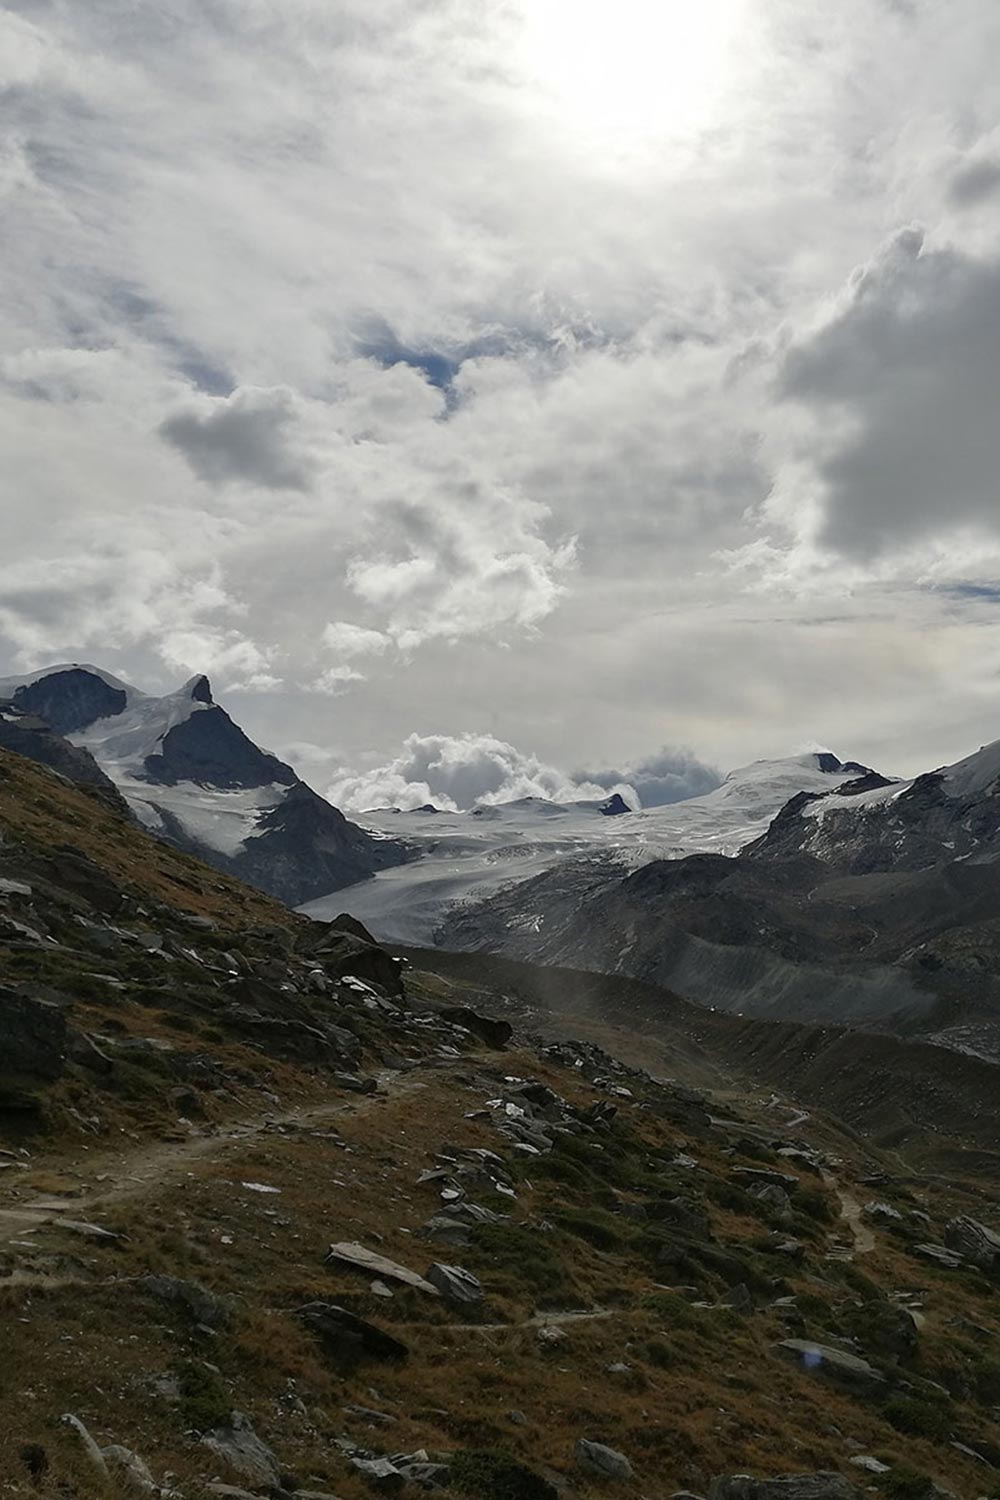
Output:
(192, 777)
(874, 904)
(283, 1214)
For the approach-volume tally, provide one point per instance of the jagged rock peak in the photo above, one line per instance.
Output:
(199, 689)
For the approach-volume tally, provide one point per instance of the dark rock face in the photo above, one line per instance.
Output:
(71, 700)
(615, 806)
(209, 748)
(32, 1037)
(348, 1339)
(343, 952)
(306, 848)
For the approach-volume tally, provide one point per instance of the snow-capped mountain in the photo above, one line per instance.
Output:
(192, 776)
(468, 856)
(869, 902)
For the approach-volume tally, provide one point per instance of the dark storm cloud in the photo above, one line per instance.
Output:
(244, 438)
(903, 382)
(668, 776)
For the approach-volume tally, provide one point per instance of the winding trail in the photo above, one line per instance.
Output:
(129, 1174)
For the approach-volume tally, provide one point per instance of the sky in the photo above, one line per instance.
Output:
(612, 382)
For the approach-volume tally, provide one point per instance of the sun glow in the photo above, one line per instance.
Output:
(626, 73)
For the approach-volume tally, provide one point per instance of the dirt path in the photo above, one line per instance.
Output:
(850, 1214)
(129, 1174)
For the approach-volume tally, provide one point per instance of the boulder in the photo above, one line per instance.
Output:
(486, 1029)
(347, 1338)
(455, 1284)
(939, 1256)
(784, 1487)
(969, 1238)
(599, 1459)
(238, 1445)
(129, 1470)
(381, 1474)
(844, 1369)
(32, 1036)
(201, 1305)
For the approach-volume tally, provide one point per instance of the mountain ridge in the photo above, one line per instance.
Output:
(193, 777)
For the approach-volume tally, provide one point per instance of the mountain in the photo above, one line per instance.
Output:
(468, 856)
(282, 1215)
(875, 903)
(192, 776)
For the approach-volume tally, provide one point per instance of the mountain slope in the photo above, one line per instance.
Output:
(193, 777)
(280, 1217)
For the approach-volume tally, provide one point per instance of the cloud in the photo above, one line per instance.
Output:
(245, 436)
(669, 776)
(901, 445)
(345, 639)
(458, 771)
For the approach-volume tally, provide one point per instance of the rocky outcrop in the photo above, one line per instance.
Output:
(972, 1240)
(69, 700)
(32, 1037)
(210, 749)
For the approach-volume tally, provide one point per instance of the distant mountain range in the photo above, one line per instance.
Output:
(191, 776)
(470, 856)
(874, 902)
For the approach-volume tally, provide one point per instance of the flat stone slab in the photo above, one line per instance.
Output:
(836, 1364)
(349, 1253)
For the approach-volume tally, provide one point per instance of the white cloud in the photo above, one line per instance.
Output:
(345, 639)
(458, 771)
(334, 313)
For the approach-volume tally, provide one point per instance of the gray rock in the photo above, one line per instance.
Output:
(834, 1364)
(129, 1470)
(372, 1418)
(239, 1446)
(349, 1253)
(202, 1305)
(939, 1255)
(380, 1473)
(597, 1458)
(868, 1464)
(455, 1284)
(969, 1238)
(784, 1487)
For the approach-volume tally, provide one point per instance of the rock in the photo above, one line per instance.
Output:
(202, 1305)
(421, 1471)
(939, 1255)
(239, 1446)
(682, 1215)
(381, 1474)
(32, 1036)
(882, 1214)
(835, 1364)
(869, 1464)
(784, 1487)
(455, 1284)
(129, 1470)
(349, 1253)
(739, 1299)
(494, 1033)
(597, 1458)
(370, 1417)
(773, 1196)
(969, 1238)
(348, 1338)
(750, 1176)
